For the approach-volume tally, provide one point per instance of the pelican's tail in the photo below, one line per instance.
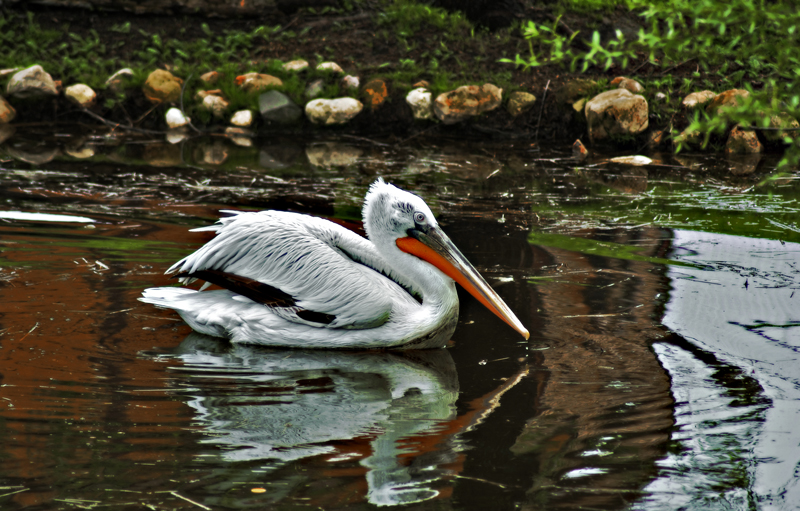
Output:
(196, 308)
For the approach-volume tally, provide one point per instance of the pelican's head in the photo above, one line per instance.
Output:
(390, 212)
(396, 218)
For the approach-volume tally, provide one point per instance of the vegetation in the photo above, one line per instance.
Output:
(748, 44)
(683, 46)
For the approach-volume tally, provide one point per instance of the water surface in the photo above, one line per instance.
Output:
(661, 370)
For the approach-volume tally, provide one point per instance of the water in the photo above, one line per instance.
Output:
(661, 372)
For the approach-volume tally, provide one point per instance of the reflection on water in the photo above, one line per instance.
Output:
(280, 406)
(661, 372)
(745, 310)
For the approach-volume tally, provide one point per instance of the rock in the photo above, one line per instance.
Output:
(176, 119)
(520, 102)
(657, 139)
(574, 90)
(242, 118)
(421, 83)
(80, 153)
(579, 150)
(616, 113)
(466, 101)
(201, 95)
(332, 154)
(376, 93)
(332, 111)
(315, 88)
(162, 87)
(421, 102)
(240, 136)
(6, 131)
(80, 94)
(635, 160)
(743, 142)
(726, 99)
(350, 82)
(330, 66)
(743, 164)
(34, 155)
(214, 152)
(210, 78)
(689, 138)
(278, 107)
(295, 65)
(660, 96)
(7, 112)
(783, 120)
(33, 81)
(252, 82)
(277, 157)
(696, 99)
(623, 82)
(8, 71)
(116, 82)
(177, 135)
(217, 105)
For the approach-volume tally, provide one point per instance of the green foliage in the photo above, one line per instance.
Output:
(750, 44)
(407, 17)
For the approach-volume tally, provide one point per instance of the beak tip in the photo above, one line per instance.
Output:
(526, 334)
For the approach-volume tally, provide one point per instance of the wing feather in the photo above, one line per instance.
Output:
(329, 271)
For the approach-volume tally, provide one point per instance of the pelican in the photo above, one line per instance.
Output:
(295, 280)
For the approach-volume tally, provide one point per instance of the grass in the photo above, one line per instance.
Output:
(750, 44)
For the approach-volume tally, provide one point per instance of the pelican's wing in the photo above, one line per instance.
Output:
(309, 270)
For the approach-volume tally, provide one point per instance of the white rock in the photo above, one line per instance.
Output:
(695, 99)
(295, 65)
(636, 160)
(81, 94)
(350, 82)
(217, 105)
(332, 111)
(176, 119)
(177, 135)
(616, 113)
(81, 153)
(240, 136)
(332, 154)
(242, 118)
(330, 66)
(114, 81)
(421, 102)
(32, 81)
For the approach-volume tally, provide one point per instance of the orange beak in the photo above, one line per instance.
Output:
(437, 249)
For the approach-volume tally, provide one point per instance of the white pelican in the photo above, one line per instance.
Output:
(300, 281)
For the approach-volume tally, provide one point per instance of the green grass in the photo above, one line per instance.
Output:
(750, 44)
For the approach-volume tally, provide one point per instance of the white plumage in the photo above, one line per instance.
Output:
(314, 284)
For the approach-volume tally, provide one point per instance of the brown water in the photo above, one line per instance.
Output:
(661, 371)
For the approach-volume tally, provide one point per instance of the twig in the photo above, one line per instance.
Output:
(679, 64)
(189, 500)
(116, 125)
(14, 492)
(365, 139)
(183, 89)
(541, 110)
(456, 476)
(29, 331)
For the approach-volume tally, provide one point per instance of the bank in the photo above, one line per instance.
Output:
(404, 45)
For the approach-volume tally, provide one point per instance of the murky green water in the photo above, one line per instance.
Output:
(661, 373)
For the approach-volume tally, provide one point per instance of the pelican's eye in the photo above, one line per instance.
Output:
(419, 217)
